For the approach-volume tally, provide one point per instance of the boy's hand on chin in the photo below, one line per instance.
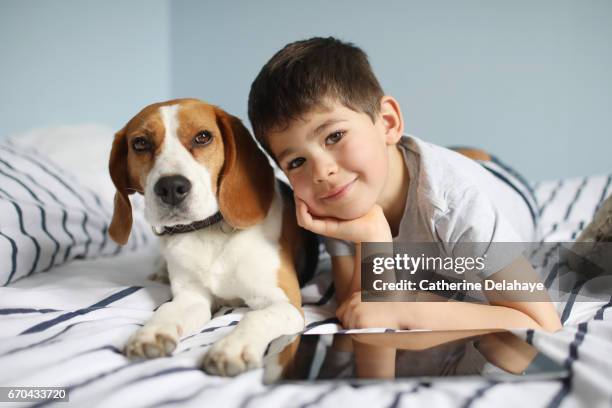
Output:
(371, 227)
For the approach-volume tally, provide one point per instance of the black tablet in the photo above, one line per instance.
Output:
(417, 355)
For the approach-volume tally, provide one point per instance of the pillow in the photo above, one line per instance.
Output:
(48, 217)
(82, 149)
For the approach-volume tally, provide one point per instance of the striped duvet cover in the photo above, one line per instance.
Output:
(66, 327)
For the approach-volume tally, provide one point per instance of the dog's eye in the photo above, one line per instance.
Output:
(203, 138)
(141, 144)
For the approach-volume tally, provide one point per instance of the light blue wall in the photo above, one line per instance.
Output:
(75, 61)
(528, 80)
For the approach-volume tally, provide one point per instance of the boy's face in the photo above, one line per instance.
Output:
(335, 159)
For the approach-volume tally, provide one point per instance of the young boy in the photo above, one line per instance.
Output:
(319, 111)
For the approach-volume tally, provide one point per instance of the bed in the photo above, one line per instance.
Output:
(64, 321)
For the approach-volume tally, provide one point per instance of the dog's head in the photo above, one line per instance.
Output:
(190, 160)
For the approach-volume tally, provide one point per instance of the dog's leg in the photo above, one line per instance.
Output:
(183, 315)
(160, 273)
(244, 347)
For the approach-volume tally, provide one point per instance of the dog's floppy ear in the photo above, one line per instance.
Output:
(121, 224)
(246, 186)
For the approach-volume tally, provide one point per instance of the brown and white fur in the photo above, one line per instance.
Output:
(247, 258)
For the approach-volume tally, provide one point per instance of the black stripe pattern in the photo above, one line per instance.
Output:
(47, 218)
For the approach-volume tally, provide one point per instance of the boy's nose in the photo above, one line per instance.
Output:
(323, 170)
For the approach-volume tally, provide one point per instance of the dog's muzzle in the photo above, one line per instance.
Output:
(172, 190)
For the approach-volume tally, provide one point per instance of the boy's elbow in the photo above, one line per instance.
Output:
(543, 315)
(553, 326)
(549, 322)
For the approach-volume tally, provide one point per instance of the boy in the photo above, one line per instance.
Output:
(319, 111)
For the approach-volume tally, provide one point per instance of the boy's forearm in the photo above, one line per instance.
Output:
(356, 279)
(381, 236)
(461, 315)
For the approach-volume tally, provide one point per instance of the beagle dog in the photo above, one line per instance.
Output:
(227, 232)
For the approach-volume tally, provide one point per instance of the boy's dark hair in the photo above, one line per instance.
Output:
(301, 75)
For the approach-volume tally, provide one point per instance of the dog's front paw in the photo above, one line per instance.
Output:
(231, 356)
(152, 342)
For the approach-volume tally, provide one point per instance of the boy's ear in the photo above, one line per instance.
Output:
(391, 119)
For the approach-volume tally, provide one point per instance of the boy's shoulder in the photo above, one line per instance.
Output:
(440, 161)
(440, 175)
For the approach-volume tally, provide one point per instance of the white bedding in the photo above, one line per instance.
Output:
(66, 328)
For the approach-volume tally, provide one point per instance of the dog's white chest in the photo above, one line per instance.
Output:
(236, 265)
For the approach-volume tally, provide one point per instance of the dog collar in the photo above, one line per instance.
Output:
(194, 226)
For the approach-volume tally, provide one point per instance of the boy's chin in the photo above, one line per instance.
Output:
(345, 214)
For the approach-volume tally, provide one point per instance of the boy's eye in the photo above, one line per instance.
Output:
(334, 138)
(295, 163)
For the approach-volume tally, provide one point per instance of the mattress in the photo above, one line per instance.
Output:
(66, 327)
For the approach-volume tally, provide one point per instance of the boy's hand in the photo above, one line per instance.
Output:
(371, 227)
(355, 314)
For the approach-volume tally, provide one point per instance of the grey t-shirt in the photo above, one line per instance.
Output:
(453, 199)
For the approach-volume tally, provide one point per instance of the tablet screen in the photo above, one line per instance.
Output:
(492, 354)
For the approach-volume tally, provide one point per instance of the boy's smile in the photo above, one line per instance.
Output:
(336, 159)
(339, 192)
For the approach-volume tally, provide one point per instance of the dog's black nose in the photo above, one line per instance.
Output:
(172, 189)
